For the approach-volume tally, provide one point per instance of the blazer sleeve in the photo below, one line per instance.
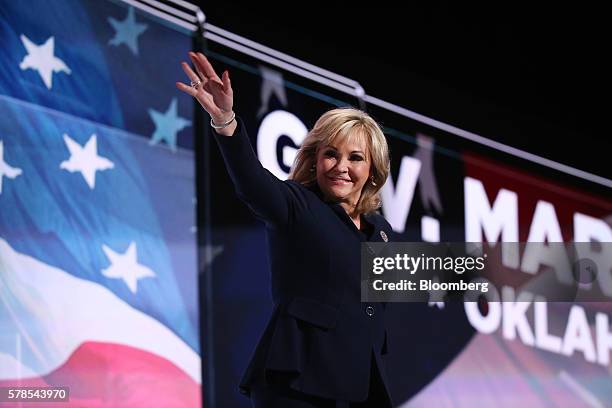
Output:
(270, 199)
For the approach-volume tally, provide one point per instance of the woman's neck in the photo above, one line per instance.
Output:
(350, 210)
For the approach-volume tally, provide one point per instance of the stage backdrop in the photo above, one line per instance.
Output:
(445, 185)
(98, 271)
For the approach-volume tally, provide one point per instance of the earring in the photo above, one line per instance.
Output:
(372, 180)
(312, 168)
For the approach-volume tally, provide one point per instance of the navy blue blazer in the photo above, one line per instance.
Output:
(320, 334)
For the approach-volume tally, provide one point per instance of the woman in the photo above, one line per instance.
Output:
(322, 347)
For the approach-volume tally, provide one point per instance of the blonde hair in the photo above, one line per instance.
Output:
(346, 123)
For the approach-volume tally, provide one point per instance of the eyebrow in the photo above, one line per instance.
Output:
(354, 151)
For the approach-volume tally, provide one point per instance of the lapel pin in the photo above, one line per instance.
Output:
(384, 236)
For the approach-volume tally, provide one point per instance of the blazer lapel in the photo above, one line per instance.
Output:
(378, 233)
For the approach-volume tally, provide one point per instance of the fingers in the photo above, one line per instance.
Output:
(214, 88)
(214, 94)
(223, 86)
(227, 85)
(193, 77)
(202, 64)
(196, 63)
(205, 99)
(187, 89)
(190, 74)
(197, 66)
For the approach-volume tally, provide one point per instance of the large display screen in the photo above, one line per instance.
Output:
(98, 249)
(446, 185)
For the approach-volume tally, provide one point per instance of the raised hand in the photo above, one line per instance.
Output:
(214, 94)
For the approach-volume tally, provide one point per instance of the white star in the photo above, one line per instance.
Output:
(5, 169)
(127, 31)
(41, 59)
(125, 266)
(85, 159)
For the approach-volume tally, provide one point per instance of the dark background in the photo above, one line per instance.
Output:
(531, 78)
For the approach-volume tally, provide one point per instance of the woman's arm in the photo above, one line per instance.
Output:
(269, 198)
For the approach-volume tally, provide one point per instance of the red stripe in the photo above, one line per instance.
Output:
(114, 375)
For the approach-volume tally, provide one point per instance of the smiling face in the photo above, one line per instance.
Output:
(343, 168)
(341, 153)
